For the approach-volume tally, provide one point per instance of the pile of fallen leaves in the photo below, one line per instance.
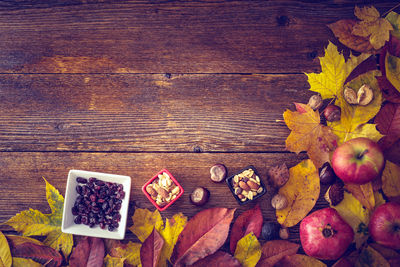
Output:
(200, 240)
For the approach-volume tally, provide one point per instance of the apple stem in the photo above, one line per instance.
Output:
(361, 155)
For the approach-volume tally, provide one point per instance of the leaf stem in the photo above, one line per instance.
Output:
(387, 12)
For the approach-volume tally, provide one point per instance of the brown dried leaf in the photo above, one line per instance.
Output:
(273, 251)
(203, 235)
(299, 260)
(363, 193)
(388, 123)
(219, 258)
(391, 179)
(151, 249)
(88, 252)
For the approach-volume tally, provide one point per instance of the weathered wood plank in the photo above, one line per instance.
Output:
(168, 36)
(23, 186)
(147, 112)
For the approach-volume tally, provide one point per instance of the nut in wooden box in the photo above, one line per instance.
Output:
(246, 185)
(162, 190)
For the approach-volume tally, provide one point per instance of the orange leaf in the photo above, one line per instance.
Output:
(309, 135)
(363, 193)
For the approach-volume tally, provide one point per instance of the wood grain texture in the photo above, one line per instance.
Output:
(23, 187)
(168, 36)
(206, 112)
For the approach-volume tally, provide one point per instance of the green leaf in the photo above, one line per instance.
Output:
(33, 222)
(392, 64)
(394, 19)
(5, 254)
(248, 250)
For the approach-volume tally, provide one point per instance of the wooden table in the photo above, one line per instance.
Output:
(131, 87)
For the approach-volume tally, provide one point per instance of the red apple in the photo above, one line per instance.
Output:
(384, 226)
(325, 235)
(358, 161)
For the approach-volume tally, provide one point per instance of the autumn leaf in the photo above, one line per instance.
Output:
(353, 212)
(219, 258)
(170, 233)
(388, 91)
(388, 123)
(301, 191)
(32, 222)
(307, 134)
(392, 68)
(364, 193)
(113, 261)
(389, 254)
(5, 254)
(248, 250)
(144, 221)
(203, 235)
(249, 221)
(343, 29)
(25, 247)
(374, 27)
(151, 249)
(130, 252)
(329, 83)
(22, 262)
(88, 252)
(354, 117)
(299, 260)
(369, 257)
(391, 179)
(273, 251)
(394, 19)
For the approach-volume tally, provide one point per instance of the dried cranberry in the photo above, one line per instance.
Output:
(79, 189)
(81, 180)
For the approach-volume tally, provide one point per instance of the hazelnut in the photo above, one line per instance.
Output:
(364, 95)
(335, 193)
(279, 202)
(284, 233)
(350, 96)
(332, 113)
(315, 102)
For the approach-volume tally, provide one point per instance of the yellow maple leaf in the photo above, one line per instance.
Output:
(307, 134)
(372, 26)
(392, 67)
(248, 250)
(144, 221)
(353, 212)
(301, 191)
(354, 118)
(391, 179)
(173, 227)
(329, 83)
(130, 252)
(5, 254)
(32, 222)
(113, 261)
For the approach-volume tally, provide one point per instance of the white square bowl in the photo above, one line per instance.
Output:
(68, 225)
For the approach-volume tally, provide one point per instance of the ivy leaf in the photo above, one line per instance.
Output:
(394, 19)
(343, 30)
(299, 260)
(388, 123)
(249, 221)
(273, 251)
(369, 257)
(5, 254)
(129, 252)
(170, 233)
(248, 251)
(144, 221)
(33, 222)
(374, 27)
(391, 179)
(301, 191)
(392, 68)
(353, 212)
(113, 261)
(329, 83)
(307, 134)
(352, 116)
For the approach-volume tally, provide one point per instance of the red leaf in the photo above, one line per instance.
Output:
(389, 92)
(248, 221)
(273, 251)
(88, 253)
(203, 235)
(217, 259)
(151, 249)
(23, 248)
(364, 67)
(388, 124)
(299, 108)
